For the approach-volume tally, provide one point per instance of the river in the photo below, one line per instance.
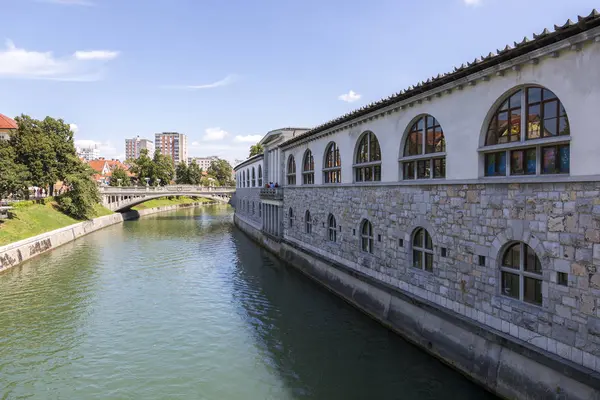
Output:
(183, 305)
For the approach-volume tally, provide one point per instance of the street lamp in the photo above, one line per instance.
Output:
(119, 182)
(147, 180)
(158, 181)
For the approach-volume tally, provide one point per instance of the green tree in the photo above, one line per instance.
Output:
(194, 173)
(143, 167)
(119, 173)
(163, 169)
(14, 177)
(256, 149)
(82, 195)
(221, 170)
(182, 174)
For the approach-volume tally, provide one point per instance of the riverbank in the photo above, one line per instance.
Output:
(508, 367)
(17, 252)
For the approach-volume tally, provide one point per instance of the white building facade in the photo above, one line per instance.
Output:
(135, 145)
(203, 162)
(462, 212)
(172, 144)
(88, 153)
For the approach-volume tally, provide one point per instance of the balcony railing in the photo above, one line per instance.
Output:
(271, 193)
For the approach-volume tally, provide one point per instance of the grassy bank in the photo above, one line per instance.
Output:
(32, 219)
(169, 201)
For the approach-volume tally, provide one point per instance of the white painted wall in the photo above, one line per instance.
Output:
(248, 169)
(574, 77)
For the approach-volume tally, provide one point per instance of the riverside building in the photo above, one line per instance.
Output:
(462, 212)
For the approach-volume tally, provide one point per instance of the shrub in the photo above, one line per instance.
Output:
(79, 202)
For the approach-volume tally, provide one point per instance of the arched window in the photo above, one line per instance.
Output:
(422, 250)
(260, 209)
(366, 236)
(253, 177)
(333, 164)
(291, 217)
(291, 170)
(368, 159)
(534, 120)
(521, 273)
(308, 169)
(244, 178)
(308, 222)
(424, 150)
(332, 228)
(248, 178)
(259, 175)
(253, 209)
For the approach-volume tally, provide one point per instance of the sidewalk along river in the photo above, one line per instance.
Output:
(182, 305)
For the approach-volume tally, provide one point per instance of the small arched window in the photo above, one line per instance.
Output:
(332, 228)
(291, 217)
(367, 166)
(534, 120)
(248, 178)
(307, 222)
(291, 170)
(244, 178)
(259, 176)
(308, 169)
(521, 273)
(422, 247)
(424, 150)
(253, 208)
(366, 236)
(332, 173)
(253, 177)
(260, 209)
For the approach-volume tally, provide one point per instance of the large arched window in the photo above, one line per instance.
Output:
(332, 173)
(366, 236)
(367, 165)
(424, 154)
(422, 247)
(307, 222)
(528, 134)
(248, 177)
(332, 228)
(259, 175)
(521, 273)
(253, 177)
(244, 178)
(291, 217)
(308, 169)
(291, 170)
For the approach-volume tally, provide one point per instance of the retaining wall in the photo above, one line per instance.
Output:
(505, 365)
(15, 253)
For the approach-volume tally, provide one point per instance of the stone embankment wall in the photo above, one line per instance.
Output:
(15, 253)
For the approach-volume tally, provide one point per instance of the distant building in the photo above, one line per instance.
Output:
(7, 126)
(172, 144)
(88, 153)
(135, 145)
(103, 169)
(203, 162)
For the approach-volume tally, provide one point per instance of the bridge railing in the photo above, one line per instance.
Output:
(167, 189)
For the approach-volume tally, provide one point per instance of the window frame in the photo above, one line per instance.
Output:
(260, 180)
(291, 217)
(253, 177)
(366, 239)
(332, 166)
(307, 222)
(291, 176)
(423, 250)
(521, 273)
(332, 228)
(308, 161)
(423, 157)
(524, 143)
(359, 168)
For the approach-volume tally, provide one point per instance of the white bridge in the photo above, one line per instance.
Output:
(121, 198)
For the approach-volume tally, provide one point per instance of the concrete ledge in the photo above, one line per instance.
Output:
(15, 253)
(506, 366)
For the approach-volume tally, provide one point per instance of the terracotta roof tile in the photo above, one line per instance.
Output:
(7, 123)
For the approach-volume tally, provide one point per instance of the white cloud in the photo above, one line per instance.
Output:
(228, 80)
(74, 128)
(20, 63)
(472, 2)
(96, 55)
(349, 97)
(213, 134)
(69, 2)
(248, 138)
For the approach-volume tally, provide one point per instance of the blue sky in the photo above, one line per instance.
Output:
(226, 72)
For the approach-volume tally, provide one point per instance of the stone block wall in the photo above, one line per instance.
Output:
(247, 204)
(560, 221)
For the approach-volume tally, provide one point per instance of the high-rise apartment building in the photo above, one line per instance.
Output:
(88, 153)
(172, 144)
(135, 145)
(203, 162)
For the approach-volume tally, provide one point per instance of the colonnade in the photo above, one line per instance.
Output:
(272, 219)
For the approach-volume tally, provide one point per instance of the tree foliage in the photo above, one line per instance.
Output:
(194, 173)
(158, 167)
(221, 170)
(82, 195)
(256, 149)
(14, 177)
(119, 173)
(181, 174)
